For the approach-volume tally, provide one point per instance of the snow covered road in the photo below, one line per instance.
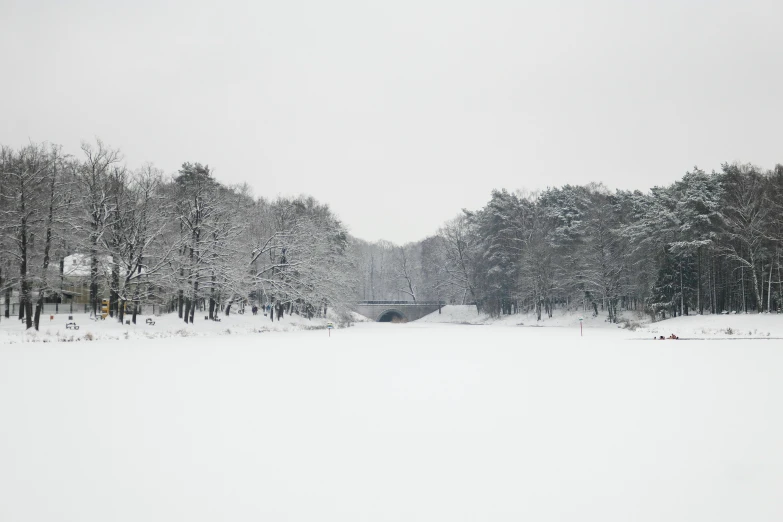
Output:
(393, 422)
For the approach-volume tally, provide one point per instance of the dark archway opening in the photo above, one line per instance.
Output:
(392, 316)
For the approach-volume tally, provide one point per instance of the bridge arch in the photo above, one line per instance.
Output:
(386, 311)
(392, 315)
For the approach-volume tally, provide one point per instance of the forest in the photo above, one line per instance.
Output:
(184, 242)
(708, 243)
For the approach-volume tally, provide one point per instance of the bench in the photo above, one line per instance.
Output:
(150, 322)
(71, 326)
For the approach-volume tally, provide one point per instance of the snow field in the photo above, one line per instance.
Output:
(414, 422)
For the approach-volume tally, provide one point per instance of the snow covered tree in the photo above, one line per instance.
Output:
(746, 222)
(197, 196)
(605, 252)
(34, 198)
(458, 255)
(300, 261)
(140, 256)
(95, 186)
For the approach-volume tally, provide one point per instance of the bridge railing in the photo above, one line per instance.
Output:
(407, 303)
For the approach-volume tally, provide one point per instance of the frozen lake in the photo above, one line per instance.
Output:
(416, 422)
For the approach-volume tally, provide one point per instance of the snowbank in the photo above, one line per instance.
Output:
(465, 314)
(762, 326)
(169, 325)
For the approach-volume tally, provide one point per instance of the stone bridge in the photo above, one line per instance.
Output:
(396, 311)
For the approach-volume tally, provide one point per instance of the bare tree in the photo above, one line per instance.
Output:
(406, 270)
(746, 222)
(98, 206)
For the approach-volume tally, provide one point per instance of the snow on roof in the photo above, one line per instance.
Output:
(78, 265)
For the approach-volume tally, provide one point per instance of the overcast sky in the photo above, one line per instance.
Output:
(400, 113)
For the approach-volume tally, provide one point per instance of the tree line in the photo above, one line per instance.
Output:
(708, 243)
(185, 242)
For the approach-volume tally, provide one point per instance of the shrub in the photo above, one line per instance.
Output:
(630, 325)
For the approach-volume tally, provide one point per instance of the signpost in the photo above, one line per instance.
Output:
(329, 327)
(580, 328)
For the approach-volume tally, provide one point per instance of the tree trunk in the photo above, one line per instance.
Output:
(195, 300)
(62, 282)
(780, 282)
(29, 313)
(698, 281)
(94, 279)
(682, 293)
(47, 249)
(24, 285)
(114, 296)
(38, 307)
(755, 284)
(136, 310)
(744, 300)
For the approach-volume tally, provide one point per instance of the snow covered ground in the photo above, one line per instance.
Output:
(169, 325)
(756, 326)
(413, 422)
(466, 314)
(693, 326)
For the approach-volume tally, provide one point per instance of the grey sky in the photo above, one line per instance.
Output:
(399, 113)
